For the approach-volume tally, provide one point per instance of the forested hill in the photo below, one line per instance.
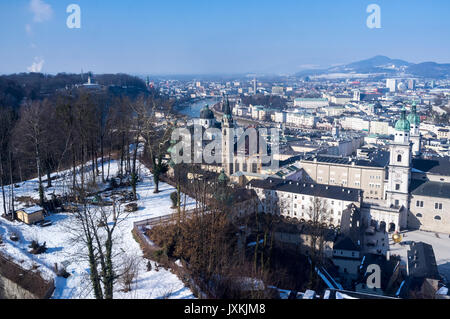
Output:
(15, 87)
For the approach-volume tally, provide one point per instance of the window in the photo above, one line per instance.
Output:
(399, 158)
(397, 187)
(437, 217)
(438, 206)
(419, 203)
(419, 215)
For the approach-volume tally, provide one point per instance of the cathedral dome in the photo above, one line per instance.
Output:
(222, 177)
(403, 124)
(206, 113)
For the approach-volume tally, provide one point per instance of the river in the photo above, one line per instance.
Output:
(193, 109)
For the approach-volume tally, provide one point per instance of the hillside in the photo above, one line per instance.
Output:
(385, 65)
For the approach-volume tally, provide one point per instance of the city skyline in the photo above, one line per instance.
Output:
(198, 37)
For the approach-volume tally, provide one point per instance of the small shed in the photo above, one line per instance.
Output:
(30, 215)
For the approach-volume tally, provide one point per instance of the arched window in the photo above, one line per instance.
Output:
(437, 217)
(419, 215)
(399, 158)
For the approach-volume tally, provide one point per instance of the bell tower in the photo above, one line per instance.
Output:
(400, 165)
(227, 139)
(416, 138)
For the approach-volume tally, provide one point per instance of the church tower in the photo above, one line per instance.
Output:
(400, 165)
(416, 138)
(227, 139)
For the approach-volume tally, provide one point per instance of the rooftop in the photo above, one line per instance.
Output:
(437, 165)
(422, 262)
(31, 210)
(345, 161)
(431, 189)
(311, 189)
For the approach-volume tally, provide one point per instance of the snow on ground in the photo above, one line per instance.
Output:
(441, 247)
(149, 284)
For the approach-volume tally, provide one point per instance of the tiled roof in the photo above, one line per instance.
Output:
(310, 189)
(429, 188)
(437, 165)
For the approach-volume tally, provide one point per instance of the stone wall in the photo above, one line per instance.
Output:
(19, 283)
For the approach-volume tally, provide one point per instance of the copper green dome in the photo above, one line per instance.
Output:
(223, 177)
(206, 113)
(403, 124)
(413, 118)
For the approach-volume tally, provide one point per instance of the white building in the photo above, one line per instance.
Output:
(311, 103)
(355, 124)
(280, 117)
(301, 120)
(391, 84)
(298, 200)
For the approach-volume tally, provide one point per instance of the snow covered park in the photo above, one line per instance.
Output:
(148, 285)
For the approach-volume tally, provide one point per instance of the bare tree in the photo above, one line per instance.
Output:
(129, 273)
(29, 133)
(318, 217)
(95, 228)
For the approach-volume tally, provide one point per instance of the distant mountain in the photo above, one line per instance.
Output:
(430, 70)
(383, 65)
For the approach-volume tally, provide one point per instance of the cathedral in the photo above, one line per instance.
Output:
(401, 189)
(240, 151)
(417, 191)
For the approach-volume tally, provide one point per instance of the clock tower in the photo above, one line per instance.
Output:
(397, 190)
(227, 139)
(416, 138)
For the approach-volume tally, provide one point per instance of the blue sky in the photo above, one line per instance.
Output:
(215, 36)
